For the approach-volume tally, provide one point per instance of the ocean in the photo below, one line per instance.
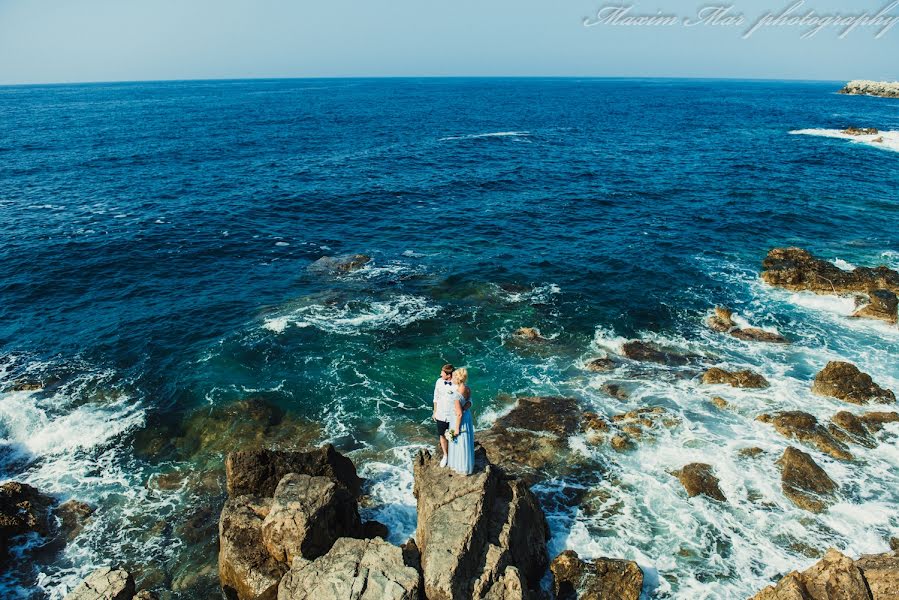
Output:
(157, 309)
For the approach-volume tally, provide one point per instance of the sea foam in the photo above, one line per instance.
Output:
(890, 138)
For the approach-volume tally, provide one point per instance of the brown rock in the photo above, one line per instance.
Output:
(804, 482)
(751, 452)
(797, 269)
(874, 421)
(860, 131)
(843, 380)
(104, 584)
(73, 516)
(600, 579)
(881, 573)
(549, 414)
(698, 478)
(834, 577)
(530, 334)
(720, 402)
(804, 427)
(721, 320)
(848, 428)
(621, 443)
(616, 390)
(600, 365)
(345, 263)
(740, 379)
(649, 352)
(259, 471)
(23, 509)
(754, 334)
(882, 305)
(246, 570)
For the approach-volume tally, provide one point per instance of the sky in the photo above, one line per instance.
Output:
(60, 41)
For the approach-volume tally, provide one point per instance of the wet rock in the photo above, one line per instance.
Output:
(375, 529)
(601, 365)
(804, 427)
(844, 381)
(530, 334)
(739, 379)
(345, 263)
(720, 402)
(878, 140)
(750, 452)
(835, 577)
(848, 428)
(881, 573)
(649, 352)
(472, 529)
(860, 131)
(599, 579)
(23, 509)
(721, 320)
(307, 515)
(353, 570)
(796, 269)
(621, 443)
(645, 421)
(145, 595)
(105, 584)
(882, 305)
(874, 421)
(804, 482)
(246, 570)
(259, 471)
(73, 516)
(550, 414)
(698, 478)
(894, 544)
(754, 334)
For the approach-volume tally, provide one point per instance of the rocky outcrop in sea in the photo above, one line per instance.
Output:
(865, 87)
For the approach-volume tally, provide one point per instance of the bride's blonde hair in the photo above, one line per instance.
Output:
(460, 376)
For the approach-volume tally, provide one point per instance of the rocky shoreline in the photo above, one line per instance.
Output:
(864, 87)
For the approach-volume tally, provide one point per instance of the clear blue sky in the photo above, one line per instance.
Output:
(112, 40)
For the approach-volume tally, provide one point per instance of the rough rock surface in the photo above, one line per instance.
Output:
(844, 381)
(471, 529)
(698, 478)
(849, 429)
(875, 421)
(804, 482)
(837, 577)
(105, 584)
(307, 515)
(866, 87)
(344, 263)
(246, 569)
(73, 516)
(23, 509)
(804, 427)
(882, 305)
(722, 321)
(353, 570)
(796, 269)
(649, 352)
(259, 471)
(740, 379)
(600, 365)
(600, 579)
(860, 131)
(531, 334)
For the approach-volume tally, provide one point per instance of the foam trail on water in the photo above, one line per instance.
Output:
(889, 140)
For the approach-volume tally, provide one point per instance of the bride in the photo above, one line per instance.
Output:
(461, 447)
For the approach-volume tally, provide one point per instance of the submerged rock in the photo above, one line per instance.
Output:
(844, 381)
(345, 263)
(472, 529)
(353, 570)
(698, 478)
(739, 379)
(882, 304)
(648, 352)
(601, 365)
(23, 509)
(530, 334)
(838, 577)
(600, 579)
(804, 427)
(105, 584)
(722, 321)
(848, 428)
(259, 471)
(796, 269)
(73, 517)
(804, 482)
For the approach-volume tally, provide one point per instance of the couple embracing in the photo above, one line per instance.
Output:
(452, 414)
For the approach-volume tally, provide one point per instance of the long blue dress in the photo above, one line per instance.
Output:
(461, 451)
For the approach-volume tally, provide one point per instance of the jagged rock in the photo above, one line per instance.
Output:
(866, 87)
(530, 334)
(600, 579)
(600, 365)
(510, 586)
(145, 595)
(875, 421)
(374, 529)
(804, 427)
(638, 423)
(837, 577)
(848, 428)
(649, 352)
(616, 390)
(750, 452)
(844, 381)
(73, 516)
(804, 482)
(259, 471)
(722, 320)
(740, 379)
(860, 131)
(550, 414)
(344, 263)
(720, 402)
(754, 334)
(105, 584)
(246, 570)
(471, 529)
(353, 569)
(23, 509)
(882, 304)
(307, 516)
(698, 478)
(796, 269)
(621, 443)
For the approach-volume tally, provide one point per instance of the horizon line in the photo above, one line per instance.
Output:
(412, 77)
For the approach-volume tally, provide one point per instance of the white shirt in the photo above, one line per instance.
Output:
(444, 400)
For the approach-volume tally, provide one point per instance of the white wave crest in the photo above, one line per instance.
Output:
(474, 136)
(355, 317)
(889, 140)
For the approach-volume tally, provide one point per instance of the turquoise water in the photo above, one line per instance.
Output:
(156, 239)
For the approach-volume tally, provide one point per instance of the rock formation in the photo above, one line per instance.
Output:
(805, 428)
(860, 131)
(836, 576)
(648, 352)
(722, 321)
(345, 263)
(796, 269)
(471, 530)
(600, 579)
(105, 584)
(882, 304)
(698, 478)
(866, 87)
(740, 379)
(601, 365)
(804, 482)
(259, 471)
(23, 509)
(844, 381)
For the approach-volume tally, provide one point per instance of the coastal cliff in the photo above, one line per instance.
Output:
(864, 87)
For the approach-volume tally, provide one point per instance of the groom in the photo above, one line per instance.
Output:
(443, 407)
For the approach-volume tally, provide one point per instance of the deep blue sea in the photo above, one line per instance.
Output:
(157, 310)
